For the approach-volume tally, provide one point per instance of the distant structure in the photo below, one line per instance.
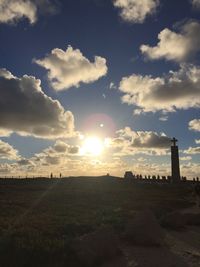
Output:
(128, 175)
(175, 161)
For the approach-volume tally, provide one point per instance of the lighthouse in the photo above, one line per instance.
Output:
(175, 161)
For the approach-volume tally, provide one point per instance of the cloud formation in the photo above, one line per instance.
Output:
(27, 110)
(6, 168)
(192, 150)
(135, 11)
(25, 162)
(190, 169)
(188, 158)
(196, 4)
(129, 142)
(178, 90)
(57, 154)
(11, 11)
(70, 68)
(175, 46)
(194, 125)
(7, 151)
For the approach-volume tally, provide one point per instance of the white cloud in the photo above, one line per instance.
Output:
(7, 151)
(179, 90)
(141, 159)
(14, 10)
(5, 133)
(197, 141)
(137, 111)
(6, 74)
(6, 168)
(175, 46)
(163, 118)
(136, 11)
(70, 68)
(195, 125)
(192, 150)
(11, 11)
(190, 169)
(27, 110)
(188, 158)
(112, 85)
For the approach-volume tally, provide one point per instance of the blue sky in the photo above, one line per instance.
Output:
(113, 82)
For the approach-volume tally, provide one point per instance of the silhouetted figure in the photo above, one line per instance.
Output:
(51, 175)
(60, 175)
(197, 194)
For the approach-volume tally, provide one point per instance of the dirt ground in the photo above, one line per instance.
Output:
(181, 249)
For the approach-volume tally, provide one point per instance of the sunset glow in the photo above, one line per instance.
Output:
(92, 146)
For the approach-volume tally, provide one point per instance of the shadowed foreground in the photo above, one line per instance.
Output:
(49, 222)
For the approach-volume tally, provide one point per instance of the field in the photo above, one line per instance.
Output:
(40, 218)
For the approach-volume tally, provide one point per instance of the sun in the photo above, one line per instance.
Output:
(92, 146)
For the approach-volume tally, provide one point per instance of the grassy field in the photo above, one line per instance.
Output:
(39, 218)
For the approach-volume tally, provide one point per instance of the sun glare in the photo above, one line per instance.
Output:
(92, 146)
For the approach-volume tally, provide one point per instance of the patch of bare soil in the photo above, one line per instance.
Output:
(180, 248)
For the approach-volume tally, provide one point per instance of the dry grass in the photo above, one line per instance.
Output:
(39, 218)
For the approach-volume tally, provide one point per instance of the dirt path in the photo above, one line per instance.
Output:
(181, 248)
(186, 243)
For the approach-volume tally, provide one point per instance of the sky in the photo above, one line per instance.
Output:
(89, 87)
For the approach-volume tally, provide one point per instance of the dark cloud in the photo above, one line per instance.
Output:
(129, 142)
(25, 109)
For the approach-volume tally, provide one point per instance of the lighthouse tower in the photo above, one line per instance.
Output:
(175, 161)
